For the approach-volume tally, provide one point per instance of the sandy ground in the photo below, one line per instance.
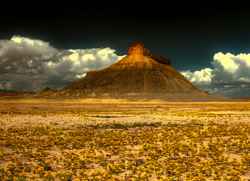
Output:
(124, 110)
(91, 130)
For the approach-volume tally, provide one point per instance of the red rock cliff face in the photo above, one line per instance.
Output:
(136, 49)
(139, 74)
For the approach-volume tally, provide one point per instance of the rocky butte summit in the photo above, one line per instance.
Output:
(138, 75)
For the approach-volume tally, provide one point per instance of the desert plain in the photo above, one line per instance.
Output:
(115, 139)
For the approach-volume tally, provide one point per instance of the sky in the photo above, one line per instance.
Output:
(51, 46)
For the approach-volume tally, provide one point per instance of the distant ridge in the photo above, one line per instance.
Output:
(13, 93)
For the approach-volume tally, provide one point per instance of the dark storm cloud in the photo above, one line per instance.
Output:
(23, 56)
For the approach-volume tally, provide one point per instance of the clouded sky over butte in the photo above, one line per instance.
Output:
(209, 46)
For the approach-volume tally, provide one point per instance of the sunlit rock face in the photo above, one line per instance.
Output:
(136, 48)
(138, 52)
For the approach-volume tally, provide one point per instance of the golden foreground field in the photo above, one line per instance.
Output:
(124, 140)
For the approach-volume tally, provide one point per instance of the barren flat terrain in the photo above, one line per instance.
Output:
(90, 139)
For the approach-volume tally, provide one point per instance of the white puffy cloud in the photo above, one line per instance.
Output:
(90, 59)
(73, 64)
(203, 76)
(32, 64)
(30, 42)
(229, 75)
(231, 68)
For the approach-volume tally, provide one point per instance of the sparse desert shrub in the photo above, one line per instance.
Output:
(166, 146)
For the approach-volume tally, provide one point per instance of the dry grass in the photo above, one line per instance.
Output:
(124, 140)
